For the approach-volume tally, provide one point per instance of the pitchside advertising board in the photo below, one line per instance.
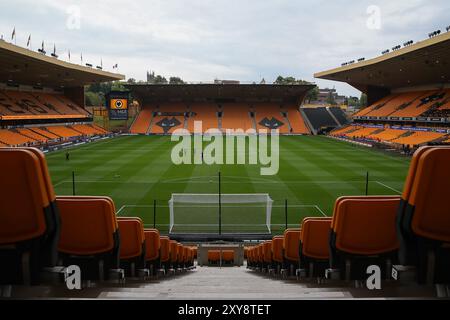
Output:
(117, 104)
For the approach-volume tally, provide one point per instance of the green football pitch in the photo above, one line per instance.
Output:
(136, 171)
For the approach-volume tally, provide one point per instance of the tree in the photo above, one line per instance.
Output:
(159, 80)
(290, 80)
(363, 101)
(131, 80)
(353, 102)
(94, 99)
(312, 94)
(330, 99)
(175, 80)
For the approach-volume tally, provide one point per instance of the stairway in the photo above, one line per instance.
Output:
(308, 123)
(334, 118)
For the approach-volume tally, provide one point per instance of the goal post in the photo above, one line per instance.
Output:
(240, 213)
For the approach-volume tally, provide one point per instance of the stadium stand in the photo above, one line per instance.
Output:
(45, 133)
(206, 113)
(172, 117)
(320, 118)
(13, 138)
(40, 135)
(32, 135)
(268, 116)
(296, 121)
(63, 131)
(418, 138)
(142, 122)
(16, 105)
(339, 115)
(401, 137)
(236, 116)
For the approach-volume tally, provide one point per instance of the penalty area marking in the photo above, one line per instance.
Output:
(276, 206)
(386, 186)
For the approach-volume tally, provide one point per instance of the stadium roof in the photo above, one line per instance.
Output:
(187, 92)
(26, 67)
(423, 63)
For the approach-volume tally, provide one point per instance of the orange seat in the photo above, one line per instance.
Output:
(267, 252)
(291, 240)
(213, 256)
(173, 253)
(228, 255)
(89, 236)
(29, 220)
(277, 249)
(132, 244)
(424, 222)
(364, 233)
(165, 249)
(314, 238)
(314, 245)
(152, 244)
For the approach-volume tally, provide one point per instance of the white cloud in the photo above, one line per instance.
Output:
(201, 40)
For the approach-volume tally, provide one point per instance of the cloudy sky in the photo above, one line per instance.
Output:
(200, 40)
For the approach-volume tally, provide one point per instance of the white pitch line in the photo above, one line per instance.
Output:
(318, 208)
(208, 182)
(118, 212)
(386, 186)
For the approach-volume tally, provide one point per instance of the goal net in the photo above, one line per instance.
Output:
(231, 213)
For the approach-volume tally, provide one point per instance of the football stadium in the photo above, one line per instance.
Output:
(225, 189)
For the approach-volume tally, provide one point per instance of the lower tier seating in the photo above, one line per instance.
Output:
(34, 136)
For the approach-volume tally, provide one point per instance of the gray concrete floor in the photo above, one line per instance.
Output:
(225, 283)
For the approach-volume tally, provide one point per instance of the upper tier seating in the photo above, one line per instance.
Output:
(18, 105)
(431, 103)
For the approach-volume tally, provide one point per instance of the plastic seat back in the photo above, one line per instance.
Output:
(291, 244)
(87, 226)
(367, 226)
(132, 238)
(152, 244)
(314, 238)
